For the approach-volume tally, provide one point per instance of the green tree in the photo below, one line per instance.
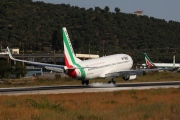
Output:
(5, 69)
(117, 10)
(56, 40)
(106, 9)
(20, 70)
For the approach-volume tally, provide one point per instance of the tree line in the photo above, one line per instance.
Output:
(8, 71)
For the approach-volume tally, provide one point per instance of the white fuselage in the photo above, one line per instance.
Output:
(99, 67)
(165, 65)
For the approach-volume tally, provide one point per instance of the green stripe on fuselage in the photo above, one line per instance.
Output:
(83, 75)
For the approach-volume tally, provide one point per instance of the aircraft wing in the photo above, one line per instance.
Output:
(122, 73)
(132, 72)
(55, 69)
(34, 63)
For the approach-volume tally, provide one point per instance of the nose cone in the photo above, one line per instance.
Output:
(131, 61)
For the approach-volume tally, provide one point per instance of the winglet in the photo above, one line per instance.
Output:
(10, 55)
(34, 63)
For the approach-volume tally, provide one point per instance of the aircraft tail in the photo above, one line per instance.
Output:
(69, 56)
(148, 62)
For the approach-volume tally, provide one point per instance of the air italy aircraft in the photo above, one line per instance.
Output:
(110, 66)
(150, 64)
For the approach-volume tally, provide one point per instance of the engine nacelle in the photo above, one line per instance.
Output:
(129, 77)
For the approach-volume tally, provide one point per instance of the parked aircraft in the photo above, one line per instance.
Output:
(150, 64)
(110, 66)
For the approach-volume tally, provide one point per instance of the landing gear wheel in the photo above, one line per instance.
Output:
(112, 81)
(85, 82)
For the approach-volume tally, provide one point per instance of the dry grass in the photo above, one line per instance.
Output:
(155, 104)
(159, 76)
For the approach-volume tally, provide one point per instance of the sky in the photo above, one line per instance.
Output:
(161, 9)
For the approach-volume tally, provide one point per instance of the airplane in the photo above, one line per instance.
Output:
(150, 64)
(110, 67)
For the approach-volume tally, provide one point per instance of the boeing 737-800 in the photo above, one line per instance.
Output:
(110, 66)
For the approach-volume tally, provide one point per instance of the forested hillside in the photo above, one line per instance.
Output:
(36, 26)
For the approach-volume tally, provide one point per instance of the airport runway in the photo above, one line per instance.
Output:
(94, 87)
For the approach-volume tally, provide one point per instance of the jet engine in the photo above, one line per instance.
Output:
(129, 77)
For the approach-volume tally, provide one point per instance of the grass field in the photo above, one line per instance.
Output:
(154, 104)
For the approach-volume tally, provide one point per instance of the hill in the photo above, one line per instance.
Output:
(36, 26)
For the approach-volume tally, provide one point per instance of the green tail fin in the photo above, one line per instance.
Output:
(147, 61)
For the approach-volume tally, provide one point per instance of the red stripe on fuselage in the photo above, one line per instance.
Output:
(71, 72)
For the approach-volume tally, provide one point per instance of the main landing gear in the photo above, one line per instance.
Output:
(112, 81)
(85, 82)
